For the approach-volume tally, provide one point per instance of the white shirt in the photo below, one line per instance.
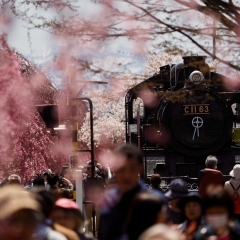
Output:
(235, 183)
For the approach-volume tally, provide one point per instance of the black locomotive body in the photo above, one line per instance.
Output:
(181, 115)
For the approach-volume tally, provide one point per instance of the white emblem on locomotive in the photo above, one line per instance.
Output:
(197, 122)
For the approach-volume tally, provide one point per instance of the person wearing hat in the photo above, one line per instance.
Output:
(233, 188)
(191, 206)
(19, 213)
(14, 179)
(178, 190)
(67, 213)
(45, 230)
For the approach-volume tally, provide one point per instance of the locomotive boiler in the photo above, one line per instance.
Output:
(182, 114)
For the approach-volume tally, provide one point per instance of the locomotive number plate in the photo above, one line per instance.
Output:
(196, 109)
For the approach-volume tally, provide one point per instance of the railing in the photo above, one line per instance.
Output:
(191, 187)
(191, 182)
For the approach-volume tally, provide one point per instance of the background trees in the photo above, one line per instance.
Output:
(169, 25)
(25, 145)
(113, 40)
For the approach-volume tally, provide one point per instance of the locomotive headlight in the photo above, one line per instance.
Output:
(196, 77)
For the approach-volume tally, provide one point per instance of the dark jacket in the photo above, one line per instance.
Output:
(91, 185)
(183, 227)
(208, 177)
(207, 231)
(114, 210)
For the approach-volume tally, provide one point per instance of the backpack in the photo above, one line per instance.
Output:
(236, 198)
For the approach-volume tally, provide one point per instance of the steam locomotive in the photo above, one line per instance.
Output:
(181, 115)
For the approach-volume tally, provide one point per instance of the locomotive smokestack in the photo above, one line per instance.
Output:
(196, 63)
(194, 60)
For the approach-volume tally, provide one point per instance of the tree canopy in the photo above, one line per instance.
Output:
(211, 27)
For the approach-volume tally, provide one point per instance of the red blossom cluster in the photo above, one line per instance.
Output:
(26, 147)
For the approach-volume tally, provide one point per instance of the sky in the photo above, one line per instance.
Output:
(41, 47)
(18, 39)
(42, 42)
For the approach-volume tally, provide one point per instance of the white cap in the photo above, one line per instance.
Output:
(235, 172)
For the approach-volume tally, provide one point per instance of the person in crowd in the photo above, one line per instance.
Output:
(66, 184)
(218, 210)
(66, 179)
(93, 187)
(90, 162)
(45, 175)
(210, 175)
(233, 188)
(67, 213)
(19, 213)
(53, 181)
(147, 209)
(4, 182)
(100, 171)
(191, 206)
(38, 182)
(111, 183)
(116, 202)
(44, 229)
(14, 179)
(160, 232)
(155, 182)
(178, 190)
(61, 193)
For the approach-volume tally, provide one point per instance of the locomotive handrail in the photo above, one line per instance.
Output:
(165, 185)
(183, 177)
(192, 186)
(174, 177)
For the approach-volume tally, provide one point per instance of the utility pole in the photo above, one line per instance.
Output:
(72, 71)
(73, 105)
(73, 99)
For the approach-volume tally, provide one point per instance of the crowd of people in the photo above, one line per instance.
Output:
(124, 207)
